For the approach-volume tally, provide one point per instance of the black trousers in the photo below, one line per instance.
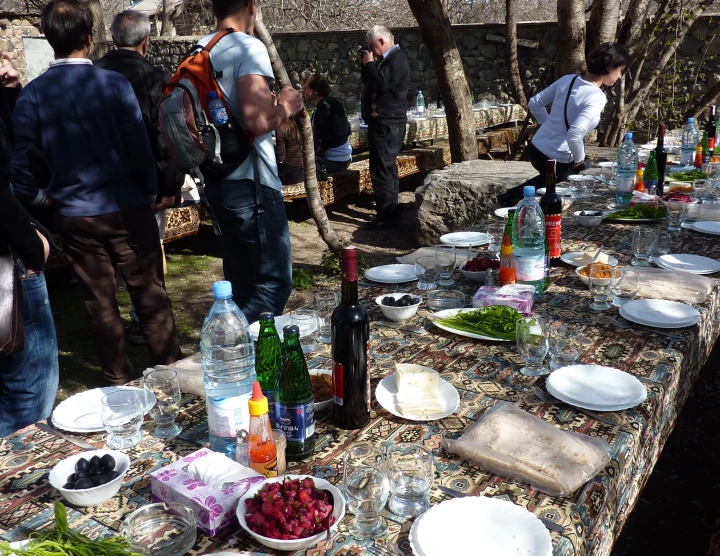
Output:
(385, 142)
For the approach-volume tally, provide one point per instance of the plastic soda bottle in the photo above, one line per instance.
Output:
(627, 163)
(262, 452)
(528, 241)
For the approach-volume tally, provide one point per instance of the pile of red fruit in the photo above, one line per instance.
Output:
(678, 198)
(288, 510)
(481, 265)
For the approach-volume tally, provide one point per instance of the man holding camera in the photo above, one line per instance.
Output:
(385, 74)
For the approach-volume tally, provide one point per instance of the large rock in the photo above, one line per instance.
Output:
(462, 195)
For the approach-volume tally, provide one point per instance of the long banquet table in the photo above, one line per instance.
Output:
(436, 127)
(668, 361)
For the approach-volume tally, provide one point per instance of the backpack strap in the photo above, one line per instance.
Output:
(216, 39)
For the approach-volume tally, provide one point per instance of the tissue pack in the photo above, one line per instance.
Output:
(520, 297)
(214, 508)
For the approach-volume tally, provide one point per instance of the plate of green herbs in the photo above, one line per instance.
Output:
(495, 322)
(638, 213)
(690, 175)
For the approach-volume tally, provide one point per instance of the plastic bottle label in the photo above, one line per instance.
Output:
(530, 268)
(337, 379)
(267, 468)
(553, 231)
(219, 116)
(296, 421)
(227, 415)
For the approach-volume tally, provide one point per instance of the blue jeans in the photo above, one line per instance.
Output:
(257, 286)
(29, 379)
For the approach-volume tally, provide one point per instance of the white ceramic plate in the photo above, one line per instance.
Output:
(280, 322)
(81, 412)
(590, 406)
(502, 212)
(451, 312)
(707, 227)
(392, 273)
(660, 313)
(559, 190)
(597, 385)
(694, 264)
(571, 258)
(322, 406)
(607, 164)
(476, 525)
(386, 395)
(465, 239)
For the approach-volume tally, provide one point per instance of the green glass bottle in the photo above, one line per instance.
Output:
(294, 404)
(705, 148)
(651, 176)
(268, 359)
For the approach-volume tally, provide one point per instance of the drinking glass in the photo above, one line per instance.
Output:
(325, 303)
(431, 108)
(367, 488)
(601, 278)
(308, 323)
(532, 345)
(661, 245)
(445, 260)
(691, 212)
(410, 471)
(495, 230)
(700, 190)
(565, 345)
(122, 416)
(674, 216)
(426, 272)
(713, 180)
(626, 288)
(166, 387)
(642, 245)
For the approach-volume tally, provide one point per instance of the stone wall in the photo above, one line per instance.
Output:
(12, 31)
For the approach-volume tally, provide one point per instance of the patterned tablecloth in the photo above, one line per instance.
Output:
(436, 127)
(483, 372)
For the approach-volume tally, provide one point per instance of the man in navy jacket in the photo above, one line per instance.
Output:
(103, 186)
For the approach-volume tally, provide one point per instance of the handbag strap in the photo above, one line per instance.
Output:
(567, 99)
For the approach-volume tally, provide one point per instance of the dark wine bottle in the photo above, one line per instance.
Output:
(551, 205)
(350, 332)
(661, 158)
(710, 128)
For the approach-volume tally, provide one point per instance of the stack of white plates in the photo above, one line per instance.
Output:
(596, 387)
(465, 239)
(392, 273)
(709, 227)
(82, 412)
(660, 313)
(559, 190)
(479, 525)
(694, 264)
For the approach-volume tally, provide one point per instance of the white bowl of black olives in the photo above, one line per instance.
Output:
(399, 306)
(90, 478)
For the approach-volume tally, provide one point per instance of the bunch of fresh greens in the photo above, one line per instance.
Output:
(687, 176)
(638, 212)
(495, 321)
(63, 541)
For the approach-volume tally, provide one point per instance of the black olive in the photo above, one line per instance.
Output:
(71, 478)
(83, 484)
(415, 301)
(100, 480)
(95, 460)
(94, 470)
(107, 462)
(407, 297)
(81, 475)
(69, 485)
(111, 475)
(81, 465)
(389, 301)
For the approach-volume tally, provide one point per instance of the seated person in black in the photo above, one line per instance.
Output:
(331, 128)
(288, 154)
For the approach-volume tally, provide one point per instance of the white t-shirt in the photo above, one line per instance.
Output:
(584, 107)
(236, 55)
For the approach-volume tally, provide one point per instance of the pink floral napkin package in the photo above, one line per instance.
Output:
(519, 296)
(214, 506)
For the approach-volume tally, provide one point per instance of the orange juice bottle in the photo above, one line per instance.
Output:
(262, 453)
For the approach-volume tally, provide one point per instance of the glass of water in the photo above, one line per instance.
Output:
(164, 384)
(532, 345)
(626, 288)
(325, 303)
(661, 245)
(495, 230)
(426, 272)
(367, 488)
(410, 470)
(445, 258)
(565, 345)
(643, 240)
(308, 323)
(122, 416)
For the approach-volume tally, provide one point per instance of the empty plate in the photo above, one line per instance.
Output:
(706, 227)
(595, 385)
(559, 190)
(280, 322)
(392, 273)
(660, 313)
(695, 264)
(465, 239)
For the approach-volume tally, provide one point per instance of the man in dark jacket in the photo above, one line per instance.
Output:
(384, 107)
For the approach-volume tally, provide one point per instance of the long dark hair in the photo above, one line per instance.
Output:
(289, 129)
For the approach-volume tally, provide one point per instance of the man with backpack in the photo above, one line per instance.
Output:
(247, 201)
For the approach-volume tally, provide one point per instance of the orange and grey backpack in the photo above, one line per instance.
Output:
(194, 142)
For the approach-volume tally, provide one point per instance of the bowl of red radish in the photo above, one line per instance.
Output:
(269, 511)
(476, 269)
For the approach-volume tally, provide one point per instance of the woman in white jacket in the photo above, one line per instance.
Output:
(577, 102)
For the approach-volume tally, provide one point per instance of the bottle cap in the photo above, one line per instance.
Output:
(290, 330)
(258, 403)
(212, 95)
(349, 258)
(267, 316)
(691, 120)
(222, 289)
(529, 191)
(628, 135)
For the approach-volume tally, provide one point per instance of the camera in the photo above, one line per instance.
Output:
(363, 50)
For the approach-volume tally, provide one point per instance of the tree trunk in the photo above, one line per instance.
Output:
(604, 19)
(317, 209)
(170, 12)
(571, 37)
(630, 30)
(512, 54)
(99, 39)
(438, 37)
(709, 98)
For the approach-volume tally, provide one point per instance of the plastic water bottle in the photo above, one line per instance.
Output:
(420, 104)
(216, 107)
(690, 139)
(228, 360)
(528, 241)
(627, 163)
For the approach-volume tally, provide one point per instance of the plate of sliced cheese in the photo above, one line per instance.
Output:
(582, 258)
(417, 393)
